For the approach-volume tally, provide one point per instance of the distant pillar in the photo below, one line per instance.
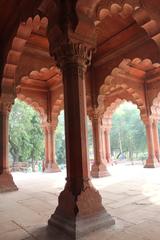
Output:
(156, 139)
(107, 124)
(6, 180)
(99, 168)
(151, 161)
(50, 164)
(108, 145)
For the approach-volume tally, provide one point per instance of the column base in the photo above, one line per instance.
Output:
(53, 168)
(99, 170)
(152, 164)
(6, 183)
(77, 218)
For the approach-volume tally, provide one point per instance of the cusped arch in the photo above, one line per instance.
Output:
(155, 108)
(135, 10)
(22, 36)
(111, 108)
(36, 106)
(111, 8)
(47, 99)
(44, 75)
(134, 70)
(57, 106)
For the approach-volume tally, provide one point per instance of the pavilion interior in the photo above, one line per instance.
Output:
(86, 57)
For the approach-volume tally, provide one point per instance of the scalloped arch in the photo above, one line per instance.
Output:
(155, 108)
(58, 105)
(127, 9)
(114, 105)
(31, 102)
(135, 68)
(23, 33)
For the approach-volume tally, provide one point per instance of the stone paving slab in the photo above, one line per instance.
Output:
(133, 199)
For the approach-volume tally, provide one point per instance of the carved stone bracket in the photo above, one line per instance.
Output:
(49, 126)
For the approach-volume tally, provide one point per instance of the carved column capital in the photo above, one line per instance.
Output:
(95, 115)
(72, 53)
(147, 120)
(49, 126)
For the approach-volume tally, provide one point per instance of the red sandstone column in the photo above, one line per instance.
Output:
(102, 140)
(99, 168)
(80, 208)
(108, 145)
(156, 139)
(6, 180)
(50, 165)
(151, 162)
(107, 124)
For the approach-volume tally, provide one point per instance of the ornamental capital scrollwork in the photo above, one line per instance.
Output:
(147, 120)
(72, 53)
(95, 115)
(49, 126)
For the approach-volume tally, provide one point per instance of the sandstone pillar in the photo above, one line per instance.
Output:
(80, 208)
(151, 161)
(99, 168)
(6, 180)
(108, 145)
(50, 164)
(156, 139)
(107, 124)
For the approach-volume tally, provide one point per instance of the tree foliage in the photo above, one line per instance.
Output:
(128, 131)
(60, 140)
(26, 140)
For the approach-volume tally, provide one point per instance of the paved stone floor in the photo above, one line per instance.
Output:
(130, 194)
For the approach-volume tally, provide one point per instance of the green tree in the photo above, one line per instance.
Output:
(25, 134)
(60, 140)
(36, 141)
(128, 132)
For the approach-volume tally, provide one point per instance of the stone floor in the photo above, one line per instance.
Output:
(130, 194)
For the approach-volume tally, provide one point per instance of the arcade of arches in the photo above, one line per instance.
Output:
(88, 56)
